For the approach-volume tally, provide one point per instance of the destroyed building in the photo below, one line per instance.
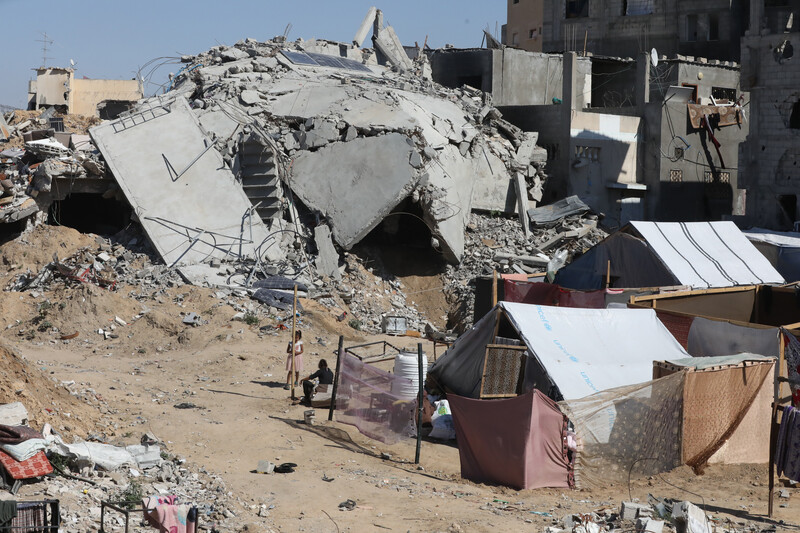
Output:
(312, 147)
(769, 157)
(524, 27)
(653, 138)
(59, 87)
(622, 28)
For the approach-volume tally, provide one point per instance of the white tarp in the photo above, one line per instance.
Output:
(590, 350)
(708, 254)
(776, 238)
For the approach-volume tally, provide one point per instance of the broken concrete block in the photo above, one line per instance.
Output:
(527, 147)
(265, 467)
(363, 181)
(630, 510)
(146, 456)
(250, 97)
(463, 147)
(649, 525)
(689, 518)
(327, 259)
(137, 154)
(233, 54)
(522, 204)
(415, 159)
(350, 134)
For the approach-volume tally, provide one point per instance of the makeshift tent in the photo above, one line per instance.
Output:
(653, 254)
(564, 352)
(517, 442)
(726, 407)
(627, 432)
(781, 248)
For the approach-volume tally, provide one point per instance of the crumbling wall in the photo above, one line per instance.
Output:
(768, 169)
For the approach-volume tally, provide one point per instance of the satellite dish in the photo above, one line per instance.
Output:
(654, 57)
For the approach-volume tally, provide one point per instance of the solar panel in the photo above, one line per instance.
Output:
(298, 58)
(323, 60)
(339, 62)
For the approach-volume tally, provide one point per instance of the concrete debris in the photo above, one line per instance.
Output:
(292, 137)
(166, 151)
(327, 258)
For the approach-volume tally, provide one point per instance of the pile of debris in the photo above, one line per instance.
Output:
(657, 516)
(42, 164)
(495, 244)
(311, 146)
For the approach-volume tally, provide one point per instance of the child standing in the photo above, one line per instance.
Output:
(298, 360)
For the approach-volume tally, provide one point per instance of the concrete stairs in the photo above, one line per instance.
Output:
(259, 175)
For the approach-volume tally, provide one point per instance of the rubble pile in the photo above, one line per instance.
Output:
(36, 156)
(326, 143)
(499, 244)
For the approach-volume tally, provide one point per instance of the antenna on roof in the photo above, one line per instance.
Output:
(45, 42)
(286, 31)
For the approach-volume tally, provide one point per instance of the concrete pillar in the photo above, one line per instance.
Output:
(568, 89)
(642, 89)
(363, 30)
(756, 14)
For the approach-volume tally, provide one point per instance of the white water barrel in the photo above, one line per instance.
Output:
(406, 366)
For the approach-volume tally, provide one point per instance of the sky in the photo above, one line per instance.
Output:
(112, 39)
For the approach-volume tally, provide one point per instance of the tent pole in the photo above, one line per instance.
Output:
(336, 378)
(419, 403)
(608, 274)
(494, 288)
(773, 437)
(294, 329)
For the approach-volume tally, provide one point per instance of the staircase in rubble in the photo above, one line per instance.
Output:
(258, 171)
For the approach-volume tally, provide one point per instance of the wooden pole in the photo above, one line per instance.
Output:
(779, 369)
(336, 377)
(420, 399)
(294, 329)
(773, 437)
(494, 288)
(608, 274)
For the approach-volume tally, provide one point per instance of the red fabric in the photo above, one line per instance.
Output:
(677, 325)
(36, 466)
(538, 293)
(516, 442)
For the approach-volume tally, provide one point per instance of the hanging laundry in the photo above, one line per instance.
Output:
(787, 447)
(792, 355)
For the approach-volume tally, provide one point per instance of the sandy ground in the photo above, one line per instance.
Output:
(234, 377)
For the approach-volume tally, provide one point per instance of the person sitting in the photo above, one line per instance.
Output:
(325, 376)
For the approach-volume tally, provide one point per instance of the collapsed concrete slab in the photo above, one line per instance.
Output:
(183, 193)
(355, 184)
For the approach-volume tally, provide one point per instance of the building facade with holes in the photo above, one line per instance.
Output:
(770, 158)
(708, 28)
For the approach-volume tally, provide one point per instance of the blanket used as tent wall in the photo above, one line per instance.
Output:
(517, 442)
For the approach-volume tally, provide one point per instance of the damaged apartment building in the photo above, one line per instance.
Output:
(645, 138)
(58, 87)
(769, 157)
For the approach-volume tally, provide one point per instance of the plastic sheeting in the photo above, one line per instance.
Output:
(518, 442)
(572, 352)
(782, 249)
(708, 254)
(633, 430)
(629, 260)
(714, 337)
(550, 214)
(590, 350)
(364, 399)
